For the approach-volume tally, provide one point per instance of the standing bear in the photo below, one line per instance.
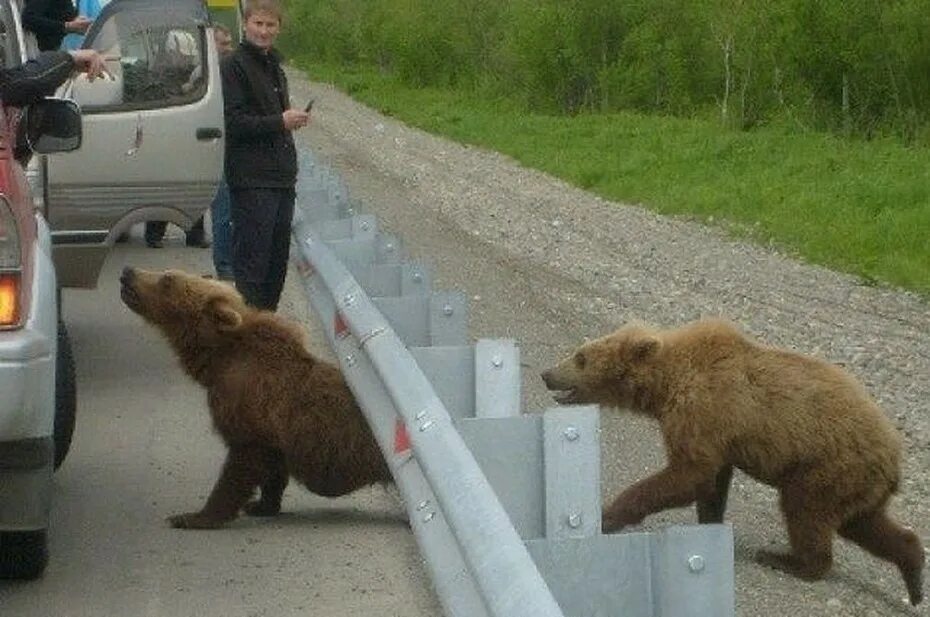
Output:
(722, 400)
(280, 411)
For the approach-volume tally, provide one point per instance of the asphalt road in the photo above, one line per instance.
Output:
(143, 450)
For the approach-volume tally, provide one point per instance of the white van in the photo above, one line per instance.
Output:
(153, 133)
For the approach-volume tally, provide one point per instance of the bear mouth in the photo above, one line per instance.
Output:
(130, 296)
(566, 397)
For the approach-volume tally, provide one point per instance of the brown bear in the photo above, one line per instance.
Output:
(793, 422)
(281, 411)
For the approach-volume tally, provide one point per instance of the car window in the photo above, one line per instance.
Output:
(9, 43)
(154, 61)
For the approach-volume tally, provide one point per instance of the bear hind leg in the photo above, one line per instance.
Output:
(881, 536)
(810, 531)
(272, 486)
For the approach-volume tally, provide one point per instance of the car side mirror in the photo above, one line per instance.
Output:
(53, 125)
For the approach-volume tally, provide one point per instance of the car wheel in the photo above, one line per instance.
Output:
(65, 396)
(23, 554)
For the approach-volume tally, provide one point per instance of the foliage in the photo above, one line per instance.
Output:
(854, 67)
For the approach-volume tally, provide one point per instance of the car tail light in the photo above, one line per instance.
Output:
(10, 267)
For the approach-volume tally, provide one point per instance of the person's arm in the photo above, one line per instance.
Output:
(35, 79)
(241, 121)
(35, 20)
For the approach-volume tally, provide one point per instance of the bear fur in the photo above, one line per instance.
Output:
(722, 400)
(280, 411)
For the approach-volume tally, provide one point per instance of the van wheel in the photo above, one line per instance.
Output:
(65, 395)
(23, 554)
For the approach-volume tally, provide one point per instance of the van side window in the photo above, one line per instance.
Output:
(152, 64)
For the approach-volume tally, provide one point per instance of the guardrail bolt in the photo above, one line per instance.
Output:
(417, 277)
(422, 505)
(350, 360)
(309, 241)
(420, 415)
(349, 299)
(447, 310)
(389, 247)
(571, 433)
(497, 362)
(428, 517)
(696, 563)
(426, 426)
(365, 226)
(574, 520)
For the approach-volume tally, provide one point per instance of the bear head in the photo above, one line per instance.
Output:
(183, 305)
(613, 371)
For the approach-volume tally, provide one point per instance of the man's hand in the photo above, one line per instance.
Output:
(295, 119)
(90, 62)
(79, 24)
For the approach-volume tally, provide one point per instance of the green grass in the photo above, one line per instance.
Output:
(855, 206)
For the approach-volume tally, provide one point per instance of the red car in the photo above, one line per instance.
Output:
(36, 369)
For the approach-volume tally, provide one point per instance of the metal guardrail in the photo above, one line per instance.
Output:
(498, 561)
(504, 506)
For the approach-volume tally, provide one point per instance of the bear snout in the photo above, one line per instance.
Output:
(553, 379)
(563, 391)
(127, 291)
(128, 275)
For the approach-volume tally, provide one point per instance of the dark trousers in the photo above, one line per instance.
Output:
(261, 242)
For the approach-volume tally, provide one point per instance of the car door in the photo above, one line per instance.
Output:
(153, 132)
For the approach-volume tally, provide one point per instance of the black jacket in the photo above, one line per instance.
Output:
(259, 150)
(46, 19)
(35, 79)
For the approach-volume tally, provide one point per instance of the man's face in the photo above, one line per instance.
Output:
(223, 42)
(261, 29)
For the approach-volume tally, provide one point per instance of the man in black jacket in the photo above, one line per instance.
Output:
(51, 20)
(38, 78)
(261, 161)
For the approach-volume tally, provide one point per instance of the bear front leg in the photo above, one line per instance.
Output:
(273, 485)
(673, 487)
(242, 471)
(712, 498)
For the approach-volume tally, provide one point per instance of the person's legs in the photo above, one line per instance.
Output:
(253, 217)
(222, 233)
(155, 233)
(280, 249)
(196, 236)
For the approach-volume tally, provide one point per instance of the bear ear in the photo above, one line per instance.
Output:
(224, 315)
(645, 347)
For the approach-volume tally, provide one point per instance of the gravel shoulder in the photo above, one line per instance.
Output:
(548, 265)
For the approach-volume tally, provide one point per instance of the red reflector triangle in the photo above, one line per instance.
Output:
(401, 437)
(340, 327)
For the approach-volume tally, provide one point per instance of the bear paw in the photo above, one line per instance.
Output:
(812, 569)
(618, 516)
(194, 520)
(261, 508)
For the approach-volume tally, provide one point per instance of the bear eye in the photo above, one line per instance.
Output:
(580, 360)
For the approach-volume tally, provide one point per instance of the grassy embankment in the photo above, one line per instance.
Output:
(855, 206)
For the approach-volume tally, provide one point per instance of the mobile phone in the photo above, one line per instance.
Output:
(309, 106)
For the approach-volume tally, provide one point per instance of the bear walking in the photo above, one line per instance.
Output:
(281, 411)
(794, 422)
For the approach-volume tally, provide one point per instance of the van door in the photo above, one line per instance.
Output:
(153, 132)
